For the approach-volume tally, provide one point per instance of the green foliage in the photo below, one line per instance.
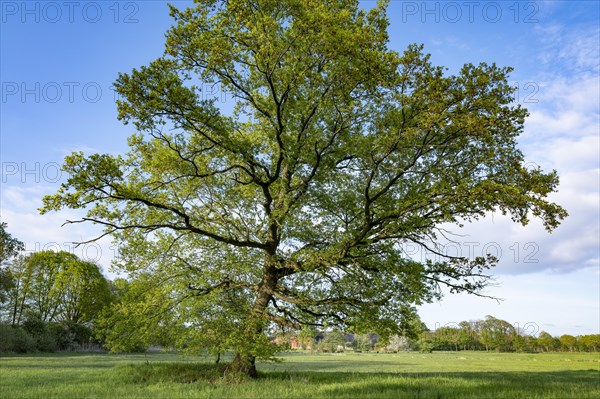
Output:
(496, 334)
(448, 336)
(9, 249)
(45, 340)
(362, 343)
(71, 336)
(82, 291)
(590, 342)
(548, 342)
(57, 286)
(7, 283)
(568, 342)
(499, 335)
(139, 318)
(306, 337)
(525, 343)
(426, 347)
(293, 209)
(15, 339)
(38, 335)
(55, 298)
(333, 342)
(9, 245)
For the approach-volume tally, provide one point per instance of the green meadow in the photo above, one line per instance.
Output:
(299, 375)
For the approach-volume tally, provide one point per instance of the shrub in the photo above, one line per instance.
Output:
(15, 339)
(45, 340)
(426, 347)
(70, 335)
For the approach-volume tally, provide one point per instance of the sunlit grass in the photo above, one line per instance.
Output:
(403, 375)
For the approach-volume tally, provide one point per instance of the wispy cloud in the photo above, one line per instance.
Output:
(573, 47)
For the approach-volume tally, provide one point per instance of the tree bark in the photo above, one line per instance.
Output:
(246, 362)
(243, 363)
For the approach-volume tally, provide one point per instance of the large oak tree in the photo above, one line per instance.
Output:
(292, 208)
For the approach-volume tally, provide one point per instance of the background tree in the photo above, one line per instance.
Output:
(590, 342)
(498, 334)
(295, 206)
(18, 293)
(141, 316)
(7, 284)
(81, 290)
(9, 245)
(427, 341)
(468, 337)
(306, 337)
(547, 342)
(41, 271)
(363, 343)
(335, 341)
(56, 286)
(53, 301)
(525, 343)
(9, 249)
(568, 342)
(448, 338)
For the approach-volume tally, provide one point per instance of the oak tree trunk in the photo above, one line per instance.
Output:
(245, 364)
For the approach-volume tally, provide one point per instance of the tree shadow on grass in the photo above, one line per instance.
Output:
(556, 384)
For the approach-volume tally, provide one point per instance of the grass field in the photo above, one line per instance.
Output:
(403, 375)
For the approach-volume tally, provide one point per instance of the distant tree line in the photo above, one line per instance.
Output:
(492, 334)
(489, 334)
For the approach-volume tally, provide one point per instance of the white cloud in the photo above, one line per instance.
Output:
(566, 107)
(570, 47)
(40, 232)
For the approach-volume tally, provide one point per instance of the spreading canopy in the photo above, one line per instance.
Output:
(290, 204)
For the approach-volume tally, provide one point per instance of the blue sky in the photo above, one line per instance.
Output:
(58, 61)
